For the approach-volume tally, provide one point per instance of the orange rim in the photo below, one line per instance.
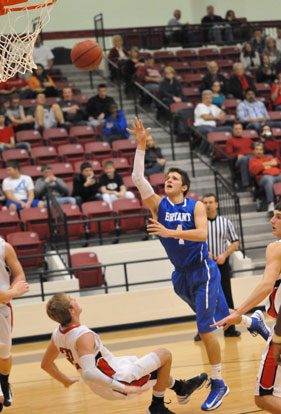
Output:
(5, 7)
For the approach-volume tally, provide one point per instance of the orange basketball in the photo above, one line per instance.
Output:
(86, 55)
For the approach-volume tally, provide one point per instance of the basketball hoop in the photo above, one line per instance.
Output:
(19, 28)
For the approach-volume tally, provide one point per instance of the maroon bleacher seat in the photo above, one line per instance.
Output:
(192, 79)
(42, 155)
(27, 243)
(231, 105)
(83, 99)
(186, 55)
(56, 136)
(250, 133)
(208, 53)
(158, 182)
(72, 153)
(219, 139)
(32, 136)
(3, 174)
(87, 277)
(129, 184)
(275, 115)
(9, 222)
(36, 220)
(73, 213)
(121, 165)
(99, 150)
(164, 56)
(97, 168)
(63, 170)
(276, 189)
(230, 52)
(275, 131)
(177, 106)
(34, 171)
(192, 194)
(125, 148)
(20, 155)
(127, 207)
(83, 134)
(96, 210)
(263, 89)
(181, 66)
(192, 94)
(199, 66)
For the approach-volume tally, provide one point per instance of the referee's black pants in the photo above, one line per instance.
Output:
(225, 271)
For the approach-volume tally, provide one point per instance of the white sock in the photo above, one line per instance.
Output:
(158, 394)
(173, 382)
(246, 321)
(216, 371)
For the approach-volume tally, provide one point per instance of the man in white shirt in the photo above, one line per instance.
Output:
(206, 116)
(19, 189)
(42, 54)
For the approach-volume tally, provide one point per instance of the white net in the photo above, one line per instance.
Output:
(19, 28)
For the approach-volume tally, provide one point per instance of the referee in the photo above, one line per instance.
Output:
(220, 232)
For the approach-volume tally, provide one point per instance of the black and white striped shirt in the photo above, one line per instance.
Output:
(220, 231)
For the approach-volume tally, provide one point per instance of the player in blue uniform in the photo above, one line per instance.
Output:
(182, 227)
(181, 224)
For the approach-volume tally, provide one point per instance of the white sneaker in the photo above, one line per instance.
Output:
(270, 207)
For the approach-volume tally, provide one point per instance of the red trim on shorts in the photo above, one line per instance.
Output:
(138, 383)
(12, 315)
(269, 370)
(271, 311)
(104, 367)
(64, 331)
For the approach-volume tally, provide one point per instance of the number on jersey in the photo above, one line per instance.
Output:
(179, 227)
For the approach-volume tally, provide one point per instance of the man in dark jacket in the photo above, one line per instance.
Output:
(85, 185)
(212, 76)
(239, 82)
(98, 107)
(215, 25)
(153, 161)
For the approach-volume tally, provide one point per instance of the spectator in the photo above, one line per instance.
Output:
(278, 39)
(252, 113)
(153, 161)
(71, 108)
(215, 27)
(217, 96)
(85, 185)
(170, 89)
(249, 58)
(118, 55)
(7, 137)
(239, 82)
(266, 72)
(212, 76)
(270, 144)
(115, 125)
(258, 41)
(235, 24)
(16, 116)
(40, 81)
(45, 116)
(206, 116)
(130, 69)
(5, 90)
(267, 172)
(271, 50)
(19, 189)
(5, 103)
(241, 151)
(42, 54)
(276, 93)
(49, 182)
(149, 75)
(177, 32)
(19, 84)
(98, 107)
(112, 186)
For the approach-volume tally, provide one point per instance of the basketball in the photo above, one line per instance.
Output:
(86, 55)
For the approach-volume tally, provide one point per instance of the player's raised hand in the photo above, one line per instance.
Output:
(70, 381)
(139, 133)
(157, 229)
(134, 390)
(232, 319)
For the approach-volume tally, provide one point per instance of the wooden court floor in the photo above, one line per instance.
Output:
(36, 392)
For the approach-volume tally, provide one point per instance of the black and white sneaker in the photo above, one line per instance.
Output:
(189, 386)
(8, 395)
(158, 409)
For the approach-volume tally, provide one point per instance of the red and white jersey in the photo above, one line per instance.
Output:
(274, 300)
(4, 275)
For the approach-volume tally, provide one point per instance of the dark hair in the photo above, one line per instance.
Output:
(101, 85)
(15, 96)
(108, 163)
(278, 206)
(258, 144)
(12, 164)
(85, 165)
(245, 52)
(184, 177)
(228, 13)
(210, 195)
(249, 90)
(237, 123)
(45, 167)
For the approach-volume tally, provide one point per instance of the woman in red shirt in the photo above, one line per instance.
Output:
(276, 93)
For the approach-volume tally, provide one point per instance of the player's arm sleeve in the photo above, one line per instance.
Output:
(91, 373)
(138, 178)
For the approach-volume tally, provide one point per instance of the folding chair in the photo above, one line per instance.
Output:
(73, 213)
(88, 277)
(125, 148)
(19, 155)
(129, 207)
(56, 136)
(96, 210)
(32, 136)
(9, 222)
(72, 153)
(36, 220)
(99, 150)
(27, 243)
(63, 170)
(83, 134)
(41, 155)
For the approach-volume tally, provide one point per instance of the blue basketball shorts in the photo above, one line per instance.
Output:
(200, 287)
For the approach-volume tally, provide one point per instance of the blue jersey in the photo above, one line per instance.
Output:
(182, 253)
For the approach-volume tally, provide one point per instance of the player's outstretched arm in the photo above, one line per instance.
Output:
(49, 366)
(262, 290)
(151, 199)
